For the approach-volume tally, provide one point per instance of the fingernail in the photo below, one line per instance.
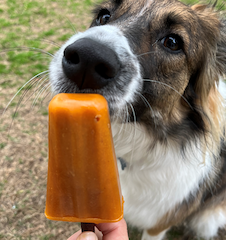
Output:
(87, 236)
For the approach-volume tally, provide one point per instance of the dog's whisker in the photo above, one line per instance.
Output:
(135, 126)
(122, 126)
(127, 120)
(47, 94)
(36, 82)
(38, 92)
(40, 84)
(149, 106)
(164, 84)
(43, 88)
(34, 85)
(66, 89)
(48, 87)
(71, 25)
(155, 43)
(115, 122)
(51, 42)
(27, 49)
(44, 40)
(28, 82)
(127, 114)
(123, 122)
(146, 103)
(28, 87)
(142, 54)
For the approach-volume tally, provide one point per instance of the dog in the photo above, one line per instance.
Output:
(160, 65)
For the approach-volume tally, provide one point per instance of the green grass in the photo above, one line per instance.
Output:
(46, 237)
(18, 33)
(175, 233)
(2, 184)
(9, 159)
(220, 3)
(2, 145)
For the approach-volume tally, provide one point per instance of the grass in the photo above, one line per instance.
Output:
(29, 31)
(17, 31)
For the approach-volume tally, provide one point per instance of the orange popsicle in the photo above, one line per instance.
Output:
(83, 183)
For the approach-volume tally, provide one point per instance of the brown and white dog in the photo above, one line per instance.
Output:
(159, 64)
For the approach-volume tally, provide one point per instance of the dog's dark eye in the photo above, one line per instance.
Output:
(172, 42)
(103, 17)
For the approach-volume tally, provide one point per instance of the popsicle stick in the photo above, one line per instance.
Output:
(88, 227)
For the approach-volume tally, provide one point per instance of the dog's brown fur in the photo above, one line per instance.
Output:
(177, 103)
(198, 21)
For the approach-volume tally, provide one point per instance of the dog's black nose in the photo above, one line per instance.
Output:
(91, 65)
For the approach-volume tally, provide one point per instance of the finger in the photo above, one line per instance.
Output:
(98, 233)
(86, 235)
(74, 236)
(83, 236)
(116, 231)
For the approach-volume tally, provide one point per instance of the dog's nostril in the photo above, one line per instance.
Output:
(105, 71)
(74, 58)
(71, 55)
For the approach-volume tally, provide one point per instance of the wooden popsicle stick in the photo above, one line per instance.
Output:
(88, 227)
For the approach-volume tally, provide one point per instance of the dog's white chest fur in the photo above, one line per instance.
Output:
(155, 179)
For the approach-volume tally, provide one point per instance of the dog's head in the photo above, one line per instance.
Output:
(155, 61)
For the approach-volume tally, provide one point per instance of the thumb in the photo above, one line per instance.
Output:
(87, 236)
(114, 231)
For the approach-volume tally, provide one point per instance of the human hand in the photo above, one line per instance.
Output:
(104, 231)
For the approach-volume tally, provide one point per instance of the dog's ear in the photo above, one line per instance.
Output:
(221, 49)
(209, 68)
(211, 52)
(215, 28)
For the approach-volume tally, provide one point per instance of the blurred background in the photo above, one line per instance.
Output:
(30, 32)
